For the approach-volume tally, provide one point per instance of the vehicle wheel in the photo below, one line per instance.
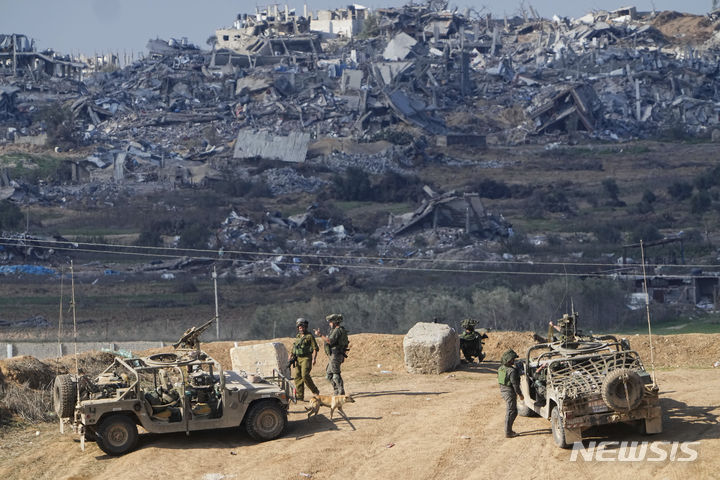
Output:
(525, 411)
(622, 389)
(64, 395)
(266, 420)
(117, 435)
(558, 428)
(90, 435)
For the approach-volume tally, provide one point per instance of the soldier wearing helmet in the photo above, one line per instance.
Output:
(304, 351)
(509, 380)
(471, 342)
(336, 347)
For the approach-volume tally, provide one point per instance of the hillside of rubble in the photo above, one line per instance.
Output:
(438, 164)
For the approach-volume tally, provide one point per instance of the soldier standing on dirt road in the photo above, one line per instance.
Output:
(336, 344)
(305, 350)
(509, 380)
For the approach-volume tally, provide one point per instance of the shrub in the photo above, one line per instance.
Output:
(394, 187)
(607, 233)
(648, 196)
(646, 233)
(700, 202)
(492, 189)
(644, 207)
(521, 191)
(10, 215)
(611, 188)
(58, 121)
(354, 185)
(31, 405)
(680, 190)
(185, 286)
(194, 235)
(149, 238)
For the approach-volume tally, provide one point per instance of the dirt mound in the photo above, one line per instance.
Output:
(41, 374)
(28, 370)
(684, 28)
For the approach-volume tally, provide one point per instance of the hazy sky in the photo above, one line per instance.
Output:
(88, 26)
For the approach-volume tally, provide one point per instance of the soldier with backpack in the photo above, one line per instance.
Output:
(509, 380)
(336, 347)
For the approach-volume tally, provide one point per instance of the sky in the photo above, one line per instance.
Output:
(124, 26)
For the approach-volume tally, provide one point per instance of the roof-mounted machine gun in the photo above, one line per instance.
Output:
(191, 338)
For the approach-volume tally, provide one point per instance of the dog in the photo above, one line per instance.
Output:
(335, 402)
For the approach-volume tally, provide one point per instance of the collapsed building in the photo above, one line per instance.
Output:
(374, 89)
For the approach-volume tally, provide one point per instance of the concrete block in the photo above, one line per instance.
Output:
(260, 359)
(290, 148)
(431, 348)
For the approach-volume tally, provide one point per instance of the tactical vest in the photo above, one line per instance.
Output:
(504, 375)
(303, 346)
(341, 344)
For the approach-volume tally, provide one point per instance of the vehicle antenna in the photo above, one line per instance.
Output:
(59, 336)
(647, 310)
(60, 317)
(217, 318)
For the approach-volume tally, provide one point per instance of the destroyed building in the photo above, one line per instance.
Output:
(310, 92)
(450, 209)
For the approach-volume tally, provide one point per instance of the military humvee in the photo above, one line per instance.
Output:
(581, 381)
(181, 391)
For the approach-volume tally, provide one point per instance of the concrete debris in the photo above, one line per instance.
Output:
(290, 148)
(451, 209)
(381, 91)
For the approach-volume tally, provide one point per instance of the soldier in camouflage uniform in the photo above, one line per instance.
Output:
(509, 380)
(471, 342)
(305, 350)
(336, 346)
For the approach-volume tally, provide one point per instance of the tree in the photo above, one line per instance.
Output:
(10, 215)
(611, 188)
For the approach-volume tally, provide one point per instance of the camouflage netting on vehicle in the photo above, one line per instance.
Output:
(582, 376)
(431, 348)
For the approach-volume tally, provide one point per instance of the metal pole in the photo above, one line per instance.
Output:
(217, 317)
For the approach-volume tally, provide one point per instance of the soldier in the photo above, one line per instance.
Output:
(305, 350)
(471, 342)
(509, 380)
(336, 346)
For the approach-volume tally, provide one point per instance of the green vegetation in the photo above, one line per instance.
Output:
(703, 323)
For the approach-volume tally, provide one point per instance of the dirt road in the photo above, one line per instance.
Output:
(446, 426)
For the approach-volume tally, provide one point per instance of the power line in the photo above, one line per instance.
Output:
(104, 246)
(215, 258)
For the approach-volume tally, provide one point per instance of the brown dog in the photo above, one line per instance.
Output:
(335, 402)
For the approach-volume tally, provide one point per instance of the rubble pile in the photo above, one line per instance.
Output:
(380, 90)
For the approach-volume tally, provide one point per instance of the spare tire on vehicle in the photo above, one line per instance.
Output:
(64, 395)
(622, 389)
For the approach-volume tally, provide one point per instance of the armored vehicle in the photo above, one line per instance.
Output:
(181, 391)
(581, 381)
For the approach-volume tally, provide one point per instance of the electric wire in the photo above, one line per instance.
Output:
(225, 256)
(10, 241)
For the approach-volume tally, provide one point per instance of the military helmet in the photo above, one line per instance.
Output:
(468, 323)
(334, 317)
(301, 321)
(508, 357)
